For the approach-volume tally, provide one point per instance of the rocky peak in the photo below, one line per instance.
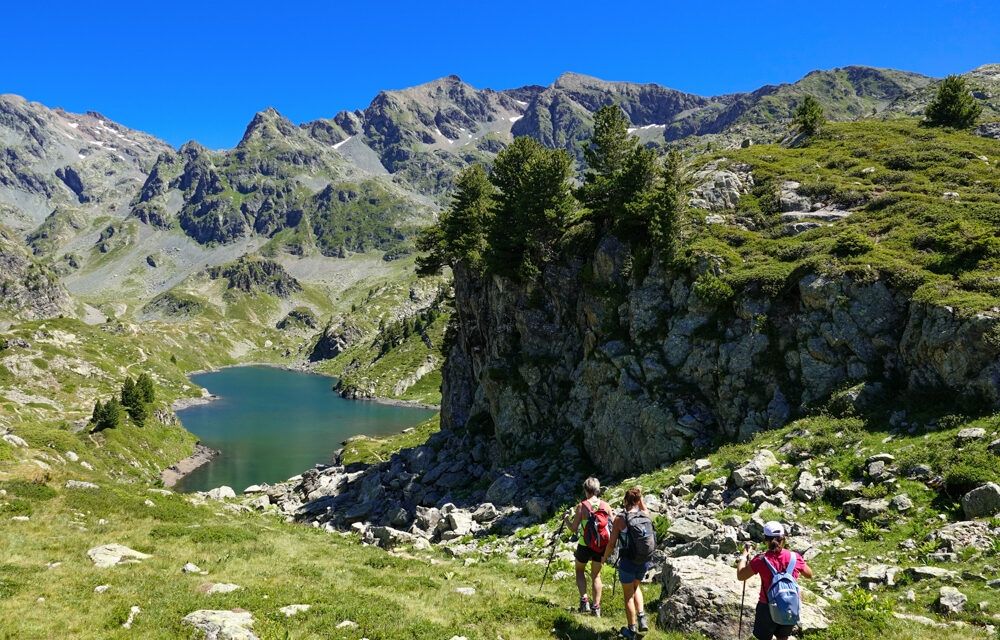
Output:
(268, 126)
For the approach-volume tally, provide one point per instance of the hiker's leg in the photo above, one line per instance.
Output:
(581, 578)
(637, 598)
(595, 581)
(628, 589)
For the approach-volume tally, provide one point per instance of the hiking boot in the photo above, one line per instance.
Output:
(643, 625)
(596, 611)
(628, 634)
(584, 605)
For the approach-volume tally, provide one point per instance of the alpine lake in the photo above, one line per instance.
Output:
(271, 424)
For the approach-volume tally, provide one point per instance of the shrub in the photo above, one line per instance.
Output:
(852, 243)
(711, 290)
(868, 530)
(660, 526)
(30, 490)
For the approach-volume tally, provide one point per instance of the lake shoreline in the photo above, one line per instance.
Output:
(174, 473)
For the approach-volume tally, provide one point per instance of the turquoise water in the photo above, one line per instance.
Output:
(271, 424)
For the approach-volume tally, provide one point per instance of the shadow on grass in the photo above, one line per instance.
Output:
(573, 630)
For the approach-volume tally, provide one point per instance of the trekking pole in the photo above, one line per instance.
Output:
(614, 583)
(555, 545)
(739, 634)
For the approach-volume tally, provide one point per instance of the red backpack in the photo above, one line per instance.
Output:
(597, 531)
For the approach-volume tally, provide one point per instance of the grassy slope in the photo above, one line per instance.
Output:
(894, 176)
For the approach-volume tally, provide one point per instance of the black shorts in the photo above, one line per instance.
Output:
(584, 554)
(764, 628)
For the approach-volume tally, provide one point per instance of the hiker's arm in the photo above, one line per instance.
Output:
(806, 570)
(743, 570)
(577, 519)
(613, 540)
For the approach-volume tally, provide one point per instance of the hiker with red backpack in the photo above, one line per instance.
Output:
(594, 515)
(780, 600)
(633, 532)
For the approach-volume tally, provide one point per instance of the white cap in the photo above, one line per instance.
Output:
(774, 529)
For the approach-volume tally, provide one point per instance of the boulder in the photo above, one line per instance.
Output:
(917, 574)
(109, 555)
(878, 575)
(703, 596)
(221, 625)
(951, 600)
(971, 434)
(749, 473)
(219, 587)
(808, 487)
(901, 502)
(190, 567)
(865, 508)
(427, 518)
(16, 441)
(460, 521)
(79, 484)
(390, 538)
(982, 501)
(503, 490)
(221, 493)
(688, 530)
(537, 507)
(485, 512)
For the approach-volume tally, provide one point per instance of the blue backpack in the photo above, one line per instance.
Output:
(783, 598)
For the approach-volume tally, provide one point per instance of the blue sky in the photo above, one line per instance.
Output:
(200, 70)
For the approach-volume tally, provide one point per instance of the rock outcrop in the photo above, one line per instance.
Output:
(641, 374)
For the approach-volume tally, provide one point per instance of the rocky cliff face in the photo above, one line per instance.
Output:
(28, 290)
(638, 370)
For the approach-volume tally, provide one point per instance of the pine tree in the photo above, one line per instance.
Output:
(460, 234)
(531, 209)
(809, 115)
(133, 402)
(144, 384)
(106, 415)
(98, 414)
(619, 169)
(953, 106)
(660, 208)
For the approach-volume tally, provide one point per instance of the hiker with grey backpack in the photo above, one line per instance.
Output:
(633, 533)
(780, 601)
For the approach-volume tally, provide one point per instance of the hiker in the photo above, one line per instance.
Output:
(593, 513)
(633, 531)
(772, 563)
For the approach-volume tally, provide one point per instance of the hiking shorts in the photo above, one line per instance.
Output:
(629, 572)
(583, 555)
(764, 628)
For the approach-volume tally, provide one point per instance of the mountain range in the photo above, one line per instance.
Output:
(121, 217)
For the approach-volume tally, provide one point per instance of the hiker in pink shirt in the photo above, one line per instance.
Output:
(764, 628)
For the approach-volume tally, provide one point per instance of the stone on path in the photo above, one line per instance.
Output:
(703, 596)
(221, 625)
(109, 555)
(293, 609)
